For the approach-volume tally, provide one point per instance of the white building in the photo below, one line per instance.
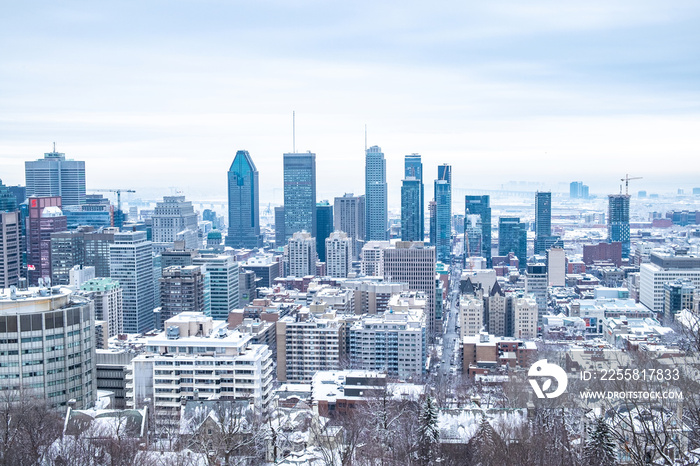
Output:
(174, 219)
(372, 294)
(338, 255)
(10, 248)
(106, 294)
(223, 282)
(55, 176)
(471, 315)
(536, 284)
(665, 268)
(393, 342)
(47, 345)
(198, 357)
(525, 317)
(556, 267)
(300, 254)
(131, 264)
(372, 257)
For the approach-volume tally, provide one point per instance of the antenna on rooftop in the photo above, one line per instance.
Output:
(294, 132)
(54, 147)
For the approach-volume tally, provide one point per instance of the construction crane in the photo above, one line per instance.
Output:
(119, 192)
(627, 180)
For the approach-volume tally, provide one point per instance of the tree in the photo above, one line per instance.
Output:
(428, 431)
(486, 447)
(600, 447)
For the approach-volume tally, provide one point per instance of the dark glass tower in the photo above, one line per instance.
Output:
(377, 219)
(619, 221)
(243, 203)
(413, 166)
(481, 205)
(410, 210)
(299, 193)
(543, 223)
(324, 227)
(443, 212)
(512, 237)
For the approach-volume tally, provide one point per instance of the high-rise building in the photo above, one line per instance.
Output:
(300, 253)
(299, 193)
(54, 176)
(106, 294)
(349, 216)
(182, 290)
(512, 237)
(480, 205)
(45, 217)
(413, 166)
(10, 246)
(578, 190)
(84, 247)
(174, 219)
(131, 264)
(543, 223)
(47, 346)
(223, 282)
(338, 255)
(243, 203)
(280, 238)
(8, 201)
(324, 227)
(619, 221)
(536, 284)
(432, 217)
(411, 215)
(473, 236)
(556, 267)
(372, 258)
(443, 213)
(376, 207)
(678, 295)
(665, 268)
(471, 315)
(414, 263)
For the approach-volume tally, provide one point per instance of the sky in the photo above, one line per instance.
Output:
(158, 96)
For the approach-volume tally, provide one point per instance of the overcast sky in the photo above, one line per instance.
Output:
(155, 95)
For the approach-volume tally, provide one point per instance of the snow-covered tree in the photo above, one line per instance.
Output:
(428, 431)
(600, 446)
(486, 447)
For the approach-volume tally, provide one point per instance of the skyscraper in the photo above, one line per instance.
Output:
(512, 237)
(299, 193)
(377, 219)
(280, 238)
(223, 282)
(10, 245)
(443, 213)
(182, 290)
(410, 210)
(414, 263)
(349, 216)
(243, 203)
(473, 236)
(413, 166)
(619, 221)
(301, 254)
(55, 176)
(480, 205)
(324, 227)
(174, 219)
(338, 255)
(432, 215)
(543, 223)
(45, 217)
(131, 264)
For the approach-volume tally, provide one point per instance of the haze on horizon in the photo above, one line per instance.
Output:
(158, 94)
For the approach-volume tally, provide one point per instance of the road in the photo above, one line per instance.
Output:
(450, 336)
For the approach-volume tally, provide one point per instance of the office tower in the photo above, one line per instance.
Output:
(54, 176)
(393, 342)
(299, 194)
(665, 268)
(106, 294)
(131, 264)
(181, 290)
(265, 267)
(556, 267)
(223, 282)
(20, 193)
(473, 234)
(443, 213)
(301, 254)
(578, 190)
(44, 217)
(84, 247)
(411, 215)
(543, 222)
(8, 202)
(413, 167)
(349, 216)
(512, 237)
(432, 227)
(297, 359)
(46, 342)
(280, 237)
(338, 255)
(376, 219)
(414, 263)
(180, 348)
(324, 227)
(536, 284)
(372, 258)
(174, 218)
(678, 295)
(243, 203)
(619, 221)
(480, 205)
(10, 246)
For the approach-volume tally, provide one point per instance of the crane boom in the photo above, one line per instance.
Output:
(119, 201)
(627, 180)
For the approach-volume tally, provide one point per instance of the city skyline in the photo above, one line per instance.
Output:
(599, 83)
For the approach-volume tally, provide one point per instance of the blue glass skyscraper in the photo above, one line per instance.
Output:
(619, 221)
(243, 203)
(410, 209)
(377, 218)
(512, 237)
(299, 193)
(413, 166)
(443, 213)
(324, 227)
(480, 205)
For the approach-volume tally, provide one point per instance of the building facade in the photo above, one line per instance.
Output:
(619, 221)
(413, 167)
(54, 176)
(376, 218)
(349, 216)
(338, 255)
(44, 218)
(106, 295)
(301, 254)
(481, 206)
(512, 237)
(324, 227)
(223, 283)
(10, 249)
(443, 213)
(174, 219)
(299, 193)
(243, 203)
